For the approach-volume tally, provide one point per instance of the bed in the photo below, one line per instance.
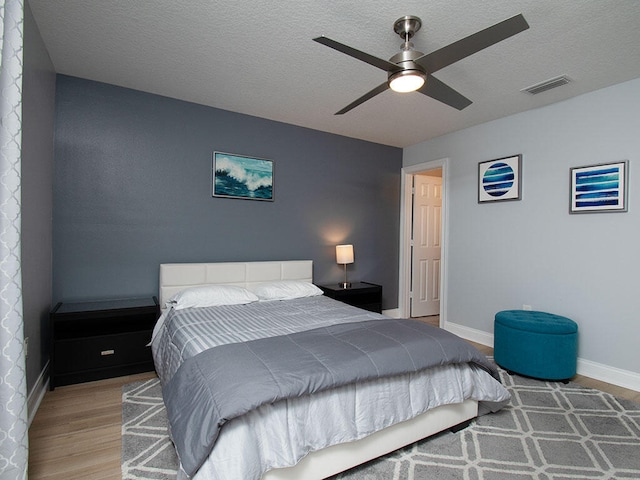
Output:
(311, 435)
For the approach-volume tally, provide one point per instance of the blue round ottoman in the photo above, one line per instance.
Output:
(536, 344)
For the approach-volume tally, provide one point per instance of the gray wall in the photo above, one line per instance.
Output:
(38, 86)
(132, 189)
(533, 251)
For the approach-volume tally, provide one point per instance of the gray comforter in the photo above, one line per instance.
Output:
(227, 381)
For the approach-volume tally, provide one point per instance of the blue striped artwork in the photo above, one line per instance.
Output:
(499, 179)
(599, 187)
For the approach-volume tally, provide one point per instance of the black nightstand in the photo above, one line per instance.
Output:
(360, 294)
(97, 340)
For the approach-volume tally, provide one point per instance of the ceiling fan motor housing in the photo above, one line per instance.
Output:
(406, 27)
(406, 61)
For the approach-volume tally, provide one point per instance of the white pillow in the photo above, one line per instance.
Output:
(285, 290)
(211, 296)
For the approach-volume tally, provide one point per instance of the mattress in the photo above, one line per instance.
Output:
(280, 434)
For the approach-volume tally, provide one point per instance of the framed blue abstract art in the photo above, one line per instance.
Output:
(500, 179)
(599, 188)
(237, 176)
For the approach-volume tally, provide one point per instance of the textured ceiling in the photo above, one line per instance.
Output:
(257, 56)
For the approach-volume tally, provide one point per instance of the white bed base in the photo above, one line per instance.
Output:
(329, 461)
(338, 458)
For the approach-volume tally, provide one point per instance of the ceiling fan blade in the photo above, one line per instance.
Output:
(437, 90)
(379, 89)
(445, 56)
(365, 57)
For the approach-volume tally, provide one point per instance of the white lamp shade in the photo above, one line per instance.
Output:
(344, 254)
(406, 81)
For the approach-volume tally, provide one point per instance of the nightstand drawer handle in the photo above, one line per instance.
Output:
(107, 352)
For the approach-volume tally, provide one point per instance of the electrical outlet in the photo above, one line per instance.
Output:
(526, 307)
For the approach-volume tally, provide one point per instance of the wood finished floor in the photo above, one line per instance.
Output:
(76, 431)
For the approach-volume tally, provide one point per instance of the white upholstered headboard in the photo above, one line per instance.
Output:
(178, 276)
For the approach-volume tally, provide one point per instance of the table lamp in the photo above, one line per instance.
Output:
(344, 255)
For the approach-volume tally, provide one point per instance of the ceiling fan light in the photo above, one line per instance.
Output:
(407, 81)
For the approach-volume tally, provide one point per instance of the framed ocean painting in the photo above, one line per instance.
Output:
(500, 179)
(599, 188)
(238, 176)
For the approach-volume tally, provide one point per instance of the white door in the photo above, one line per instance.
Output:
(426, 241)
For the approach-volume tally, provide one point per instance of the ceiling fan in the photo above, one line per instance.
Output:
(411, 70)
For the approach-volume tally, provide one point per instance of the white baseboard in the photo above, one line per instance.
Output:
(393, 313)
(597, 371)
(477, 336)
(34, 399)
(613, 375)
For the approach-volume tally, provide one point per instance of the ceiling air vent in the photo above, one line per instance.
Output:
(547, 85)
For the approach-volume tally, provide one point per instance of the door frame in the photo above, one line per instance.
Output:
(406, 185)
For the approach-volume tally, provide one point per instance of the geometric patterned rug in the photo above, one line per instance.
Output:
(147, 452)
(550, 431)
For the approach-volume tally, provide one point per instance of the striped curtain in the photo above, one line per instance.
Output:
(13, 380)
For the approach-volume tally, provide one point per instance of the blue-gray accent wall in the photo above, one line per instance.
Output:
(38, 94)
(133, 189)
